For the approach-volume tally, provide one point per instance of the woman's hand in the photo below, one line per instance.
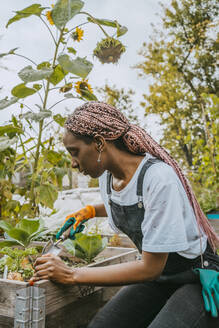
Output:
(51, 267)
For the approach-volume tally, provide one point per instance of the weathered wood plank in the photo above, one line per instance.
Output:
(8, 294)
(58, 295)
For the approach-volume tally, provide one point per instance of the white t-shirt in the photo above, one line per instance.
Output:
(169, 223)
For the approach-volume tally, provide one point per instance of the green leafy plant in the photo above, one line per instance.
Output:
(17, 261)
(86, 247)
(23, 233)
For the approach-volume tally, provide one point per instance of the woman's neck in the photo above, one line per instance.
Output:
(123, 165)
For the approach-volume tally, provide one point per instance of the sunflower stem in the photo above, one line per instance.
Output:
(95, 21)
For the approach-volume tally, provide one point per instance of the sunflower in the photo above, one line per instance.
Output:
(82, 87)
(49, 17)
(78, 34)
(109, 50)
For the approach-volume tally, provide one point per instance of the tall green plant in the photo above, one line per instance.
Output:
(43, 79)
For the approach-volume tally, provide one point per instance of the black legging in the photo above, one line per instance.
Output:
(154, 305)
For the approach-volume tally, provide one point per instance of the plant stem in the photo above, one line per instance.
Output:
(39, 141)
(49, 30)
(95, 21)
(26, 58)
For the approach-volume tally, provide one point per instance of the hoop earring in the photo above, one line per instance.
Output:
(99, 157)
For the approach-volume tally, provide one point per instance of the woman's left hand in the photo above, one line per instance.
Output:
(51, 267)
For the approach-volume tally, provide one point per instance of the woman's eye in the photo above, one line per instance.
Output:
(74, 153)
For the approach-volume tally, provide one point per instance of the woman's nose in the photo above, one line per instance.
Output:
(74, 164)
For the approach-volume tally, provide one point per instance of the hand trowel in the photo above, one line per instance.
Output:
(53, 248)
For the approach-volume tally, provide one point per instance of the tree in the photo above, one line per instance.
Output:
(182, 61)
(121, 99)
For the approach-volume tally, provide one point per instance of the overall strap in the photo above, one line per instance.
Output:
(139, 192)
(108, 189)
(146, 166)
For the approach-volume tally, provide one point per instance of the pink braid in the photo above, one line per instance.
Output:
(94, 118)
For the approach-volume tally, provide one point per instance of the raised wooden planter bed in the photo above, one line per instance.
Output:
(47, 304)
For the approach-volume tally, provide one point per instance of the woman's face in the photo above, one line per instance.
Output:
(84, 156)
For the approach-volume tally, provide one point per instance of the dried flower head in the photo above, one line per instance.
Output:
(109, 50)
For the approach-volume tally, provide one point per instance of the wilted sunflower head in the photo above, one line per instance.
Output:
(109, 50)
(78, 34)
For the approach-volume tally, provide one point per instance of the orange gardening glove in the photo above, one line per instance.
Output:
(83, 214)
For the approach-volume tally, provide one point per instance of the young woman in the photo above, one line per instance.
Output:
(146, 196)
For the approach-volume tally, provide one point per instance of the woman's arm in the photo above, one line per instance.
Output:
(100, 210)
(148, 268)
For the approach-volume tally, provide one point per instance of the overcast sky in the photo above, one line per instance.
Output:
(34, 41)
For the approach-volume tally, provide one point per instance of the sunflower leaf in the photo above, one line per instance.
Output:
(28, 74)
(11, 52)
(37, 117)
(6, 142)
(7, 102)
(59, 119)
(34, 9)
(79, 66)
(46, 195)
(10, 129)
(58, 75)
(65, 10)
(21, 91)
(102, 21)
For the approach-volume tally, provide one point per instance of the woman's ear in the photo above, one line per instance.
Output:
(100, 142)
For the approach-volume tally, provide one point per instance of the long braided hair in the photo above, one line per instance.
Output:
(95, 117)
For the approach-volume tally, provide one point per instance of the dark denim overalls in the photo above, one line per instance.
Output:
(155, 303)
(129, 218)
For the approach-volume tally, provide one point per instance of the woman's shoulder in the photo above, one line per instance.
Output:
(161, 173)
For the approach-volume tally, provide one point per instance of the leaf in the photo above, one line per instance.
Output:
(105, 22)
(5, 225)
(21, 91)
(28, 74)
(29, 225)
(19, 235)
(37, 86)
(60, 172)
(6, 142)
(59, 119)
(85, 246)
(121, 30)
(79, 66)
(57, 75)
(8, 243)
(88, 95)
(44, 64)
(69, 95)
(37, 117)
(65, 10)
(7, 102)
(53, 157)
(10, 129)
(11, 52)
(71, 50)
(34, 9)
(46, 195)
